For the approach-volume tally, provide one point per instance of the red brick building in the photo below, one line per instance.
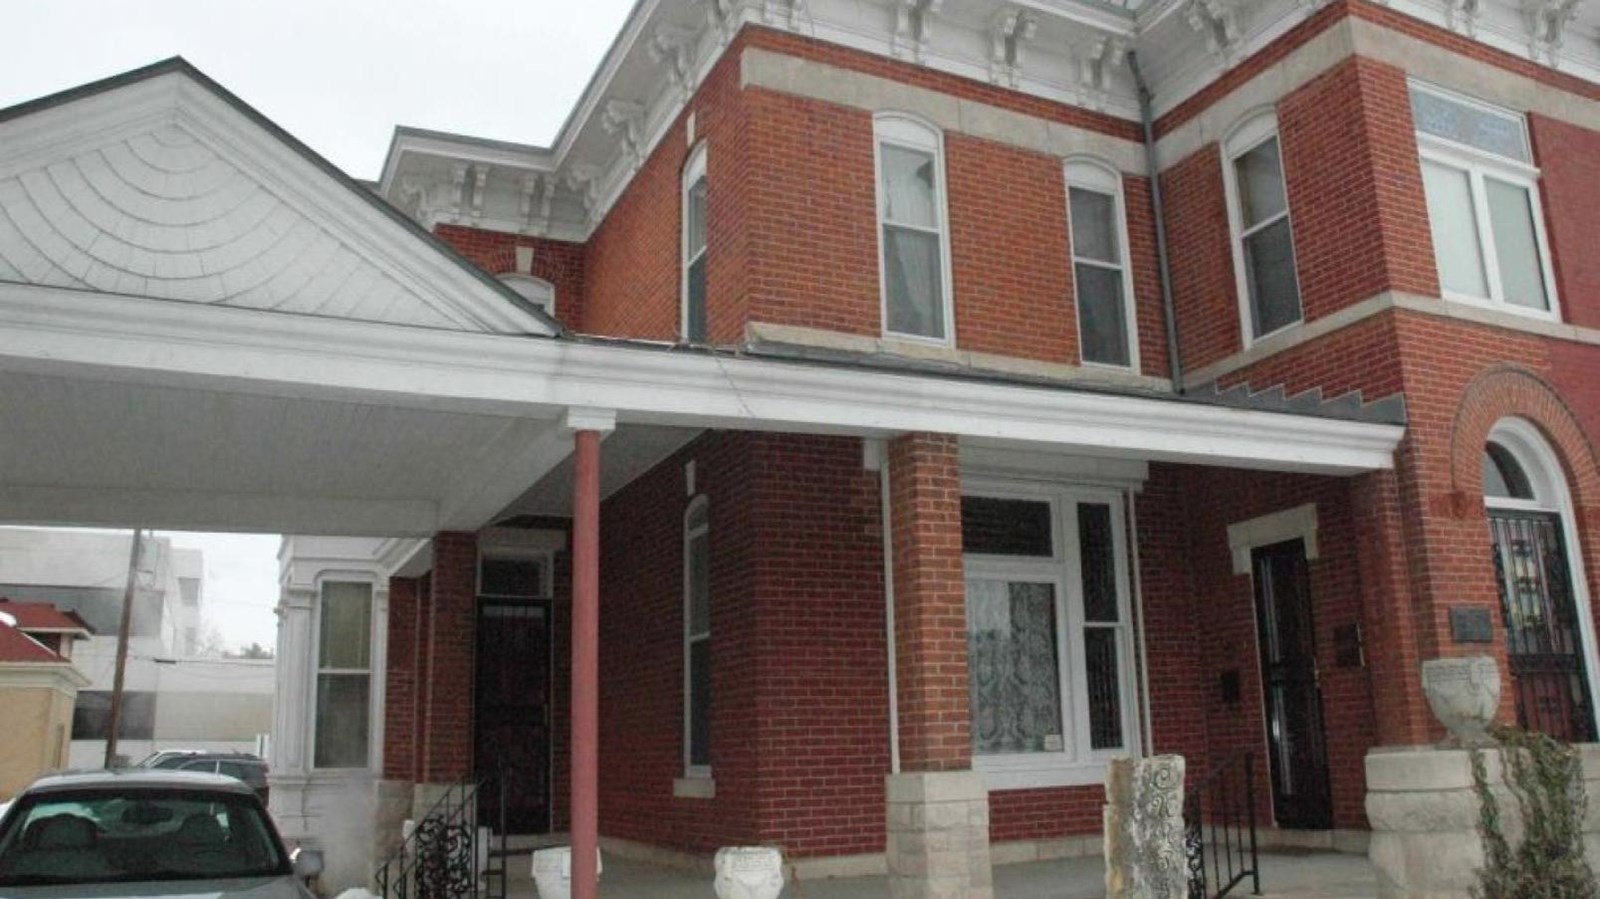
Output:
(972, 423)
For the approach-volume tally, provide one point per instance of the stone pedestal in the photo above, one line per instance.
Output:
(1424, 815)
(749, 872)
(938, 845)
(1144, 829)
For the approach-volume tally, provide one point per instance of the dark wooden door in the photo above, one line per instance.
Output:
(1296, 743)
(513, 714)
(1543, 648)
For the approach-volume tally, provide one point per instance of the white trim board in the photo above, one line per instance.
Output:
(78, 334)
(1278, 527)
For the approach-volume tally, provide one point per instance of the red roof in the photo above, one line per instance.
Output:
(43, 618)
(15, 646)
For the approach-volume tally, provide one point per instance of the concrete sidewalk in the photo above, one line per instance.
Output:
(1303, 875)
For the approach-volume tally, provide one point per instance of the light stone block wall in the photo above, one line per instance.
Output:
(1424, 814)
(938, 836)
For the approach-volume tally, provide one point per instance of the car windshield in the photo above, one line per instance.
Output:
(121, 836)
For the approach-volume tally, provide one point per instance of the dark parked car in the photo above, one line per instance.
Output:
(239, 765)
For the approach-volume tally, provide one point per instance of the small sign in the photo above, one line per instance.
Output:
(1052, 743)
(1471, 624)
(1347, 650)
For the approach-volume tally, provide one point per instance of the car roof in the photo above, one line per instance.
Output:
(116, 779)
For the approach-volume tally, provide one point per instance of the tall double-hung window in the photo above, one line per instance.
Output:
(1483, 202)
(695, 192)
(912, 232)
(1049, 642)
(1263, 242)
(1100, 271)
(697, 639)
(344, 675)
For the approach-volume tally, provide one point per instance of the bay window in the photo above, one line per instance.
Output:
(914, 243)
(1483, 203)
(1100, 273)
(344, 675)
(1263, 241)
(1048, 637)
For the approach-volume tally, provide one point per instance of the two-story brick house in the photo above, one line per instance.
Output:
(992, 389)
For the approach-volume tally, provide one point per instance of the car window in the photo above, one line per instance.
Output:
(249, 773)
(205, 765)
(171, 761)
(132, 835)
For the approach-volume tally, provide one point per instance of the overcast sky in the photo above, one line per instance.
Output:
(338, 75)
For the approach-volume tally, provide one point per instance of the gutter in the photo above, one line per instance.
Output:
(1163, 260)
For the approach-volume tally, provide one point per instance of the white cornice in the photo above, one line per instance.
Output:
(1074, 56)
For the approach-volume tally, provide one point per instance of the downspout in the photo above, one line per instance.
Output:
(1163, 260)
(1145, 716)
(888, 607)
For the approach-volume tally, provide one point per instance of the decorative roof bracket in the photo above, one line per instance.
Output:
(1218, 21)
(674, 47)
(1097, 59)
(1009, 30)
(1547, 24)
(911, 28)
(623, 119)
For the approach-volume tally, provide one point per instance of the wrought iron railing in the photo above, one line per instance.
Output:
(446, 854)
(1219, 818)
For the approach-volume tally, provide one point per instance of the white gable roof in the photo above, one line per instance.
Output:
(160, 184)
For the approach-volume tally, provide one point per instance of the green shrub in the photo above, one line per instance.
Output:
(1545, 778)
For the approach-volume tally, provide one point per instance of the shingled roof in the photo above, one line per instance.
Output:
(43, 618)
(16, 646)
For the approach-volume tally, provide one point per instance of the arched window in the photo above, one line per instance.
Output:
(696, 190)
(914, 240)
(1101, 277)
(697, 639)
(1263, 242)
(537, 291)
(1544, 604)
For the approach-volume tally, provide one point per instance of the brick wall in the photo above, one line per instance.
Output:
(1355, 188)
(558, 261)
(446, 751)
(1204, 296)
(400, 684)
(1569, 161)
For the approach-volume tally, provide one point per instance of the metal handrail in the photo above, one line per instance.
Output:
(439, 858)
(1219, 812)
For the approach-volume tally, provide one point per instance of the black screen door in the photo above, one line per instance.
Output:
(1295, 739)
(513, 714)
(1543, 647)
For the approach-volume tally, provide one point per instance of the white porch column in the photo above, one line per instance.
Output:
(289, 761)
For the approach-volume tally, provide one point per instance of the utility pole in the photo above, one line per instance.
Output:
(122, 650)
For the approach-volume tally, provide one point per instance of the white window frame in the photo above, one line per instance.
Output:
(693, 171)
(1087, 173)
(530, 288)
(1477, 165)
(375, 698)
(690, 638)
(1077, 764)
(906, 131)
(1253, 131)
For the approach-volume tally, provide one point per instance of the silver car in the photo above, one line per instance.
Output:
(146, 833)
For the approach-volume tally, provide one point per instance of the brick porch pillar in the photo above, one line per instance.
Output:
(938, 808)
(444, 754)
(1388, 617)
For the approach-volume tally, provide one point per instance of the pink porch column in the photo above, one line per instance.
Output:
(587, 427)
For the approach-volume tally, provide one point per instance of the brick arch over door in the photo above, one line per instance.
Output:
(1506, 391)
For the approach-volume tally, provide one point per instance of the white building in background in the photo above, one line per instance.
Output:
(173, 699)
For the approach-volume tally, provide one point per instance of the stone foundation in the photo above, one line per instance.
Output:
(1424, 814)
(938, 839)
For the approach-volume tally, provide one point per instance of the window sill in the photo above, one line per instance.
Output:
(694, 788)
(1016, 773)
